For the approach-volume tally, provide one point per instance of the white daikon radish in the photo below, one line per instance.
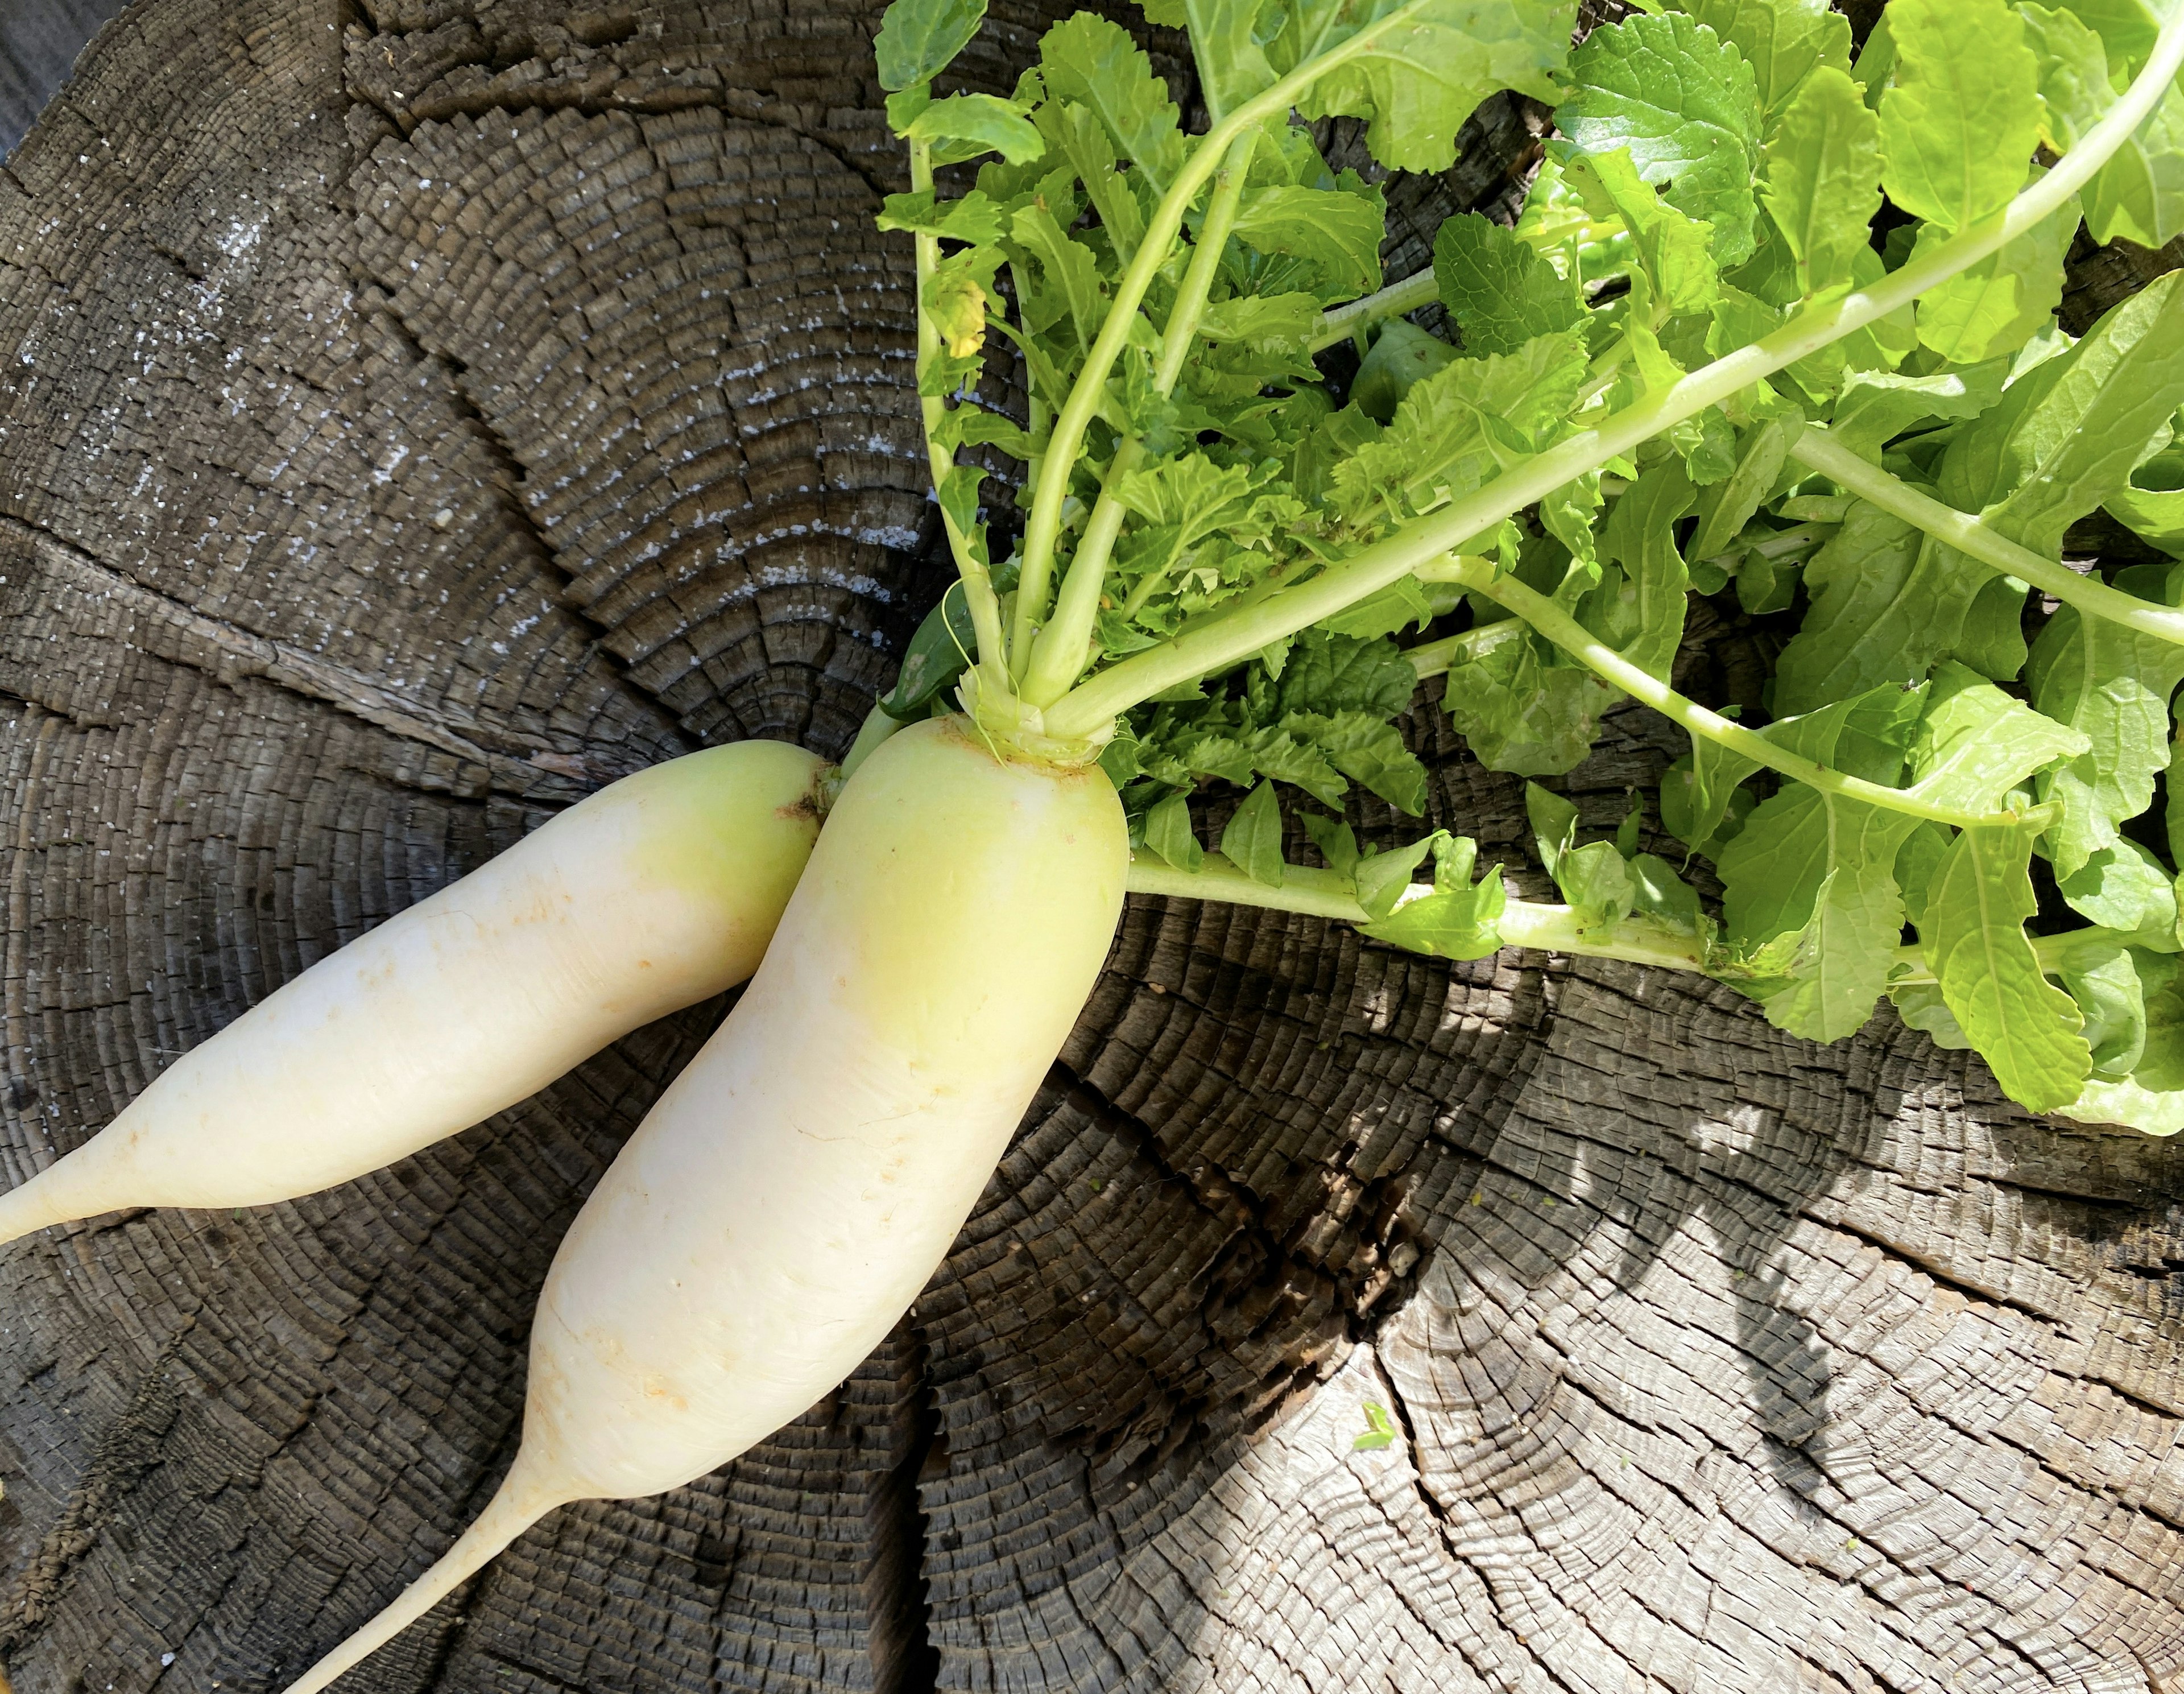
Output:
(653, 893)
(797, 1185)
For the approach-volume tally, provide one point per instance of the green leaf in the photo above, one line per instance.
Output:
(1367, 750)
(1874, 407)
(1419, 81)
(2127, 27)
(1975, 743)
(2138, 195)
(1331, 673)
(1168, 833)
(2125, 889)
(1521, 706)
(2113, 684)
(1960, 124)
(1458, 919)
(1886, 601)
(1402, 356)
(1379, 1431)
(1403, 601)
(942, 649)
(1819, 869)
(1338, 234)
(1093, 62)
(1232, 65)
(1921, 1007)
(1784, 41)
(2066, 437)
(1697, 792)
(1686, 105)
(974, 218)
(1993, 306)
(1501, 292)
(1262, 319)
(1638, 607)
(1382, 878)
(1820, 183)
(964, 126)
(1253, 838)
(919, 38)
(2073, 75)
(1916, 861)
(1675, 251)
(1554, 824)
(1336, 841)
(1454, 429)
(1725, 508)
(1068, 288)
(2025, 1028)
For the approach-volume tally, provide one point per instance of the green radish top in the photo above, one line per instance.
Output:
(1776, 326)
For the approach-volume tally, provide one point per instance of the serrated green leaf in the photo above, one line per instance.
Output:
(1262, 319)
(1686, 105)
(918, 39)
(1784, 41)
(1959, 124)
(1638, 607)
(1078, 137)
(964, 126)
(1454, 429)
(1331, 673)
(1367, 750)
(974, 218)
(1820, 184)
(2113, 684)
(1524, 708)
(1068, 288)
(1338, 234)
(1501, 292)
(1418, 82)
(2073, 75)
(1168, 833)
(1880, 613)
(2127, 27)
(2025, 1028)
(1093, 62)
(1252, 839)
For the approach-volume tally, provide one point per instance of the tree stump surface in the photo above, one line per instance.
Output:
(416, 415)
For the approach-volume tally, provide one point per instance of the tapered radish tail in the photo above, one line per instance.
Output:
(36, 1205)
(521, 1501)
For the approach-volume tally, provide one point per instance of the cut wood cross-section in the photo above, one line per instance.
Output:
(413, 414)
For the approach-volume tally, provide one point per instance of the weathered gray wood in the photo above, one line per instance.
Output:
(411, 417)
(39, 40)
